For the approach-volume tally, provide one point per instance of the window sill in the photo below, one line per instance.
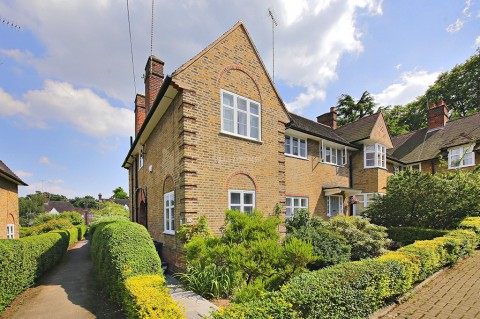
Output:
(295, 156)
(457, 167)
(169, 232)
(367, 167)
(241, 137)
(331, 164)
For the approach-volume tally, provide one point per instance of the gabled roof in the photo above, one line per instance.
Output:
(59, 206)
(358, 130)
(423, 145)
(307, 126)
(7, 173)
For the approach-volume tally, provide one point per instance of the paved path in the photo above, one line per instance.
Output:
(69, 290)
(195, 306)
(453, 294)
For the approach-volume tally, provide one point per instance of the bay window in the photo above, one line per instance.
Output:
(375, 156)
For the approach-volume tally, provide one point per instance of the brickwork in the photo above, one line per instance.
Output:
(139, 112)
(153, 81)
(369, 180)
(8, 207)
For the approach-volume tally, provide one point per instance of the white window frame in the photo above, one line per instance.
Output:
(169, 213)
(463, 151)
(327, 148)
(340, 203)
(140, 160)
(242, 202)
(236, 110)
(379, 155)
(363, 198)
(10, 231)
(292, 208)
(290, 151)
(399, 168)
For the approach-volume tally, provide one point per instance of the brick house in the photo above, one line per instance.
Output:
(216, 135)
(9, 219)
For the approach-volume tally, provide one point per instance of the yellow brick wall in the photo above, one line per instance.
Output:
(8, 207)
(369, 180)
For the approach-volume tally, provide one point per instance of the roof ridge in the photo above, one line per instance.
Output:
(306, 118)
(360, 119)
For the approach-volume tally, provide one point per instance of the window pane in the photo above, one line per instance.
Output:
(303, 148)
(254, 126)
(248, 209)
(334, 156)
(235, 198)
(228, 119)
(172, 218)
(242, 104)
(242, 123)
(328, 156)
(228, 99)
(296, 202)
(289, 201)
(247, 198)
(370, 148)
(254, 108)
(304, 203)
(289, 212)
(295, 146)
(287, 145)
(235, 207)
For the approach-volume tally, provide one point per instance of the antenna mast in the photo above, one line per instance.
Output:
(274, 24)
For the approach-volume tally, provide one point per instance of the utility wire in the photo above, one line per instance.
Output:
(131, 49)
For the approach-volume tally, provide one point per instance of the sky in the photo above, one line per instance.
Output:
(67, 84)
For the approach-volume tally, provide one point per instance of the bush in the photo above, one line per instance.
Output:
(123, 252)
(103, 220)
(357, 289)
(147, 297)
(420, 199)
(366, 239)
(330, 247)
(74, 217)
(109, 209)
(402, 236)
(24, 260)
(43, 218)
(52, 224)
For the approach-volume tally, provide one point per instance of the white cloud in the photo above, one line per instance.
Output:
(477, 41)
(60, 102)
(412, 84)
(23, 174)
(455, 27)
(44, 160)
(398, 66)
(45, 186)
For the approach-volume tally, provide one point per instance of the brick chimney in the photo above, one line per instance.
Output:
(328, 119)
(437, 115)
(153, 80)
(139, 112)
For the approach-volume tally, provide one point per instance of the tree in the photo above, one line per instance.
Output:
(80, 202)
(57, 197)
(30, 206)
(349, 110)
(119, 193)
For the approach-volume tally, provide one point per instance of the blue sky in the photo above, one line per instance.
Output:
(67, 90)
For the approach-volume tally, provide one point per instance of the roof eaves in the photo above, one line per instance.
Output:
(293, 127)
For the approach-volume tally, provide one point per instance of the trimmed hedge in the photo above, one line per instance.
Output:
(357, 289)
(127, 264)
(403, 236)
(24, 260)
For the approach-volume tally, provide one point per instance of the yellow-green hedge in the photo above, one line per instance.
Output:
(24, 260)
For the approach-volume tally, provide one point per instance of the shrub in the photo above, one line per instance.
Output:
(122, 252)
(74, 217)
(420, 199)
(357, 289)
(24, 260)
(402, 236)
(366, 239)
(52, 224)
(330, 247)
(147, 297)
(109, 209)
(43, 218)
(103, 220)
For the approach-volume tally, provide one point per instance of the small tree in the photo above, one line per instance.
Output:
(119, 193)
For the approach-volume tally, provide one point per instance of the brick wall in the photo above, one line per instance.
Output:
(369, 180)
(8, 207)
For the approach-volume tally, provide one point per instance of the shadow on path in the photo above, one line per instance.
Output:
(69, 290)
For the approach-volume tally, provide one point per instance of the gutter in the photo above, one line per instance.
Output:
(13, 178)
(320, 136)
(161, 93)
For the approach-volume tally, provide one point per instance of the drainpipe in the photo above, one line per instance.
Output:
(432, 162)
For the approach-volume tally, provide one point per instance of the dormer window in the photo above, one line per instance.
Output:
(375, 156)
(461, 157)
(295, 146)
(240, 116)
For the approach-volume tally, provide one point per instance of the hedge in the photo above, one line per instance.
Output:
(403, 236)
(128, 266)
(357, 289)
(24, 260)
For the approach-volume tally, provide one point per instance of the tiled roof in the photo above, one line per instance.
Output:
(7, 172)
(60, 206)
(423, 145)
(311, 127)
(358, 130)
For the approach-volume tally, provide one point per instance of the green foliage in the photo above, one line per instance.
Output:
(402, 236)
(88, 200)
(29, 207)
(198, 229)
(147, 297)
(57, 197)
(249, 253)
(419, 199)
(366, 239)
(25, 260)
(103, 220)
(123, 253)
(349, 110)
(357, 289)
(52, 224)
(74, 217)
(330, 247)
(43, 218)
(109, 209)
(119, 193)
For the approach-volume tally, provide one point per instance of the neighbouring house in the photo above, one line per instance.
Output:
(216, 135)
(9, 218)
(56, 207)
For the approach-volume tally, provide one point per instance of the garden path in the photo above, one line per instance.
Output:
(452, 294)
(69, 290)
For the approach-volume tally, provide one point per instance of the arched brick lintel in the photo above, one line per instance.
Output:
(242, 172)
(241, 69)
